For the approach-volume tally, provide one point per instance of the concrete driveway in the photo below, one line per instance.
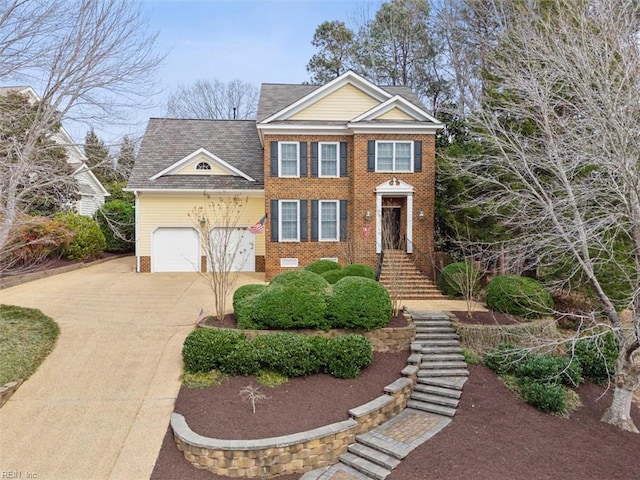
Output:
(99, 405)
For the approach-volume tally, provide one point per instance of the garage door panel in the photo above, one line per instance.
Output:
(176, 250)
(240, 251)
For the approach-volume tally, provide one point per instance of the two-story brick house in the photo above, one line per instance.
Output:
(329, 166)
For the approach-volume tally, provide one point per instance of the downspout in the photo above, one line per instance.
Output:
(137, 228)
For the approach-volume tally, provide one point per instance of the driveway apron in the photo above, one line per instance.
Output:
(99, 405)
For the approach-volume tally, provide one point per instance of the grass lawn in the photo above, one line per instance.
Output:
(27, 336)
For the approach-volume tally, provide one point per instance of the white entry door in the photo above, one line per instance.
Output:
(236, 245)
(176, 250)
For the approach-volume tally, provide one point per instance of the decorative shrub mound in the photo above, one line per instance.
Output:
(281, 307)
(207, 349)
(521, 296)
(547, 397)
(359, 303)
(597, 356)
(89, 242)
(332, 276)
(243, 304)
(34, 240)
(359, 270)
(504, 358)
(347, 355)
(302, 279)
(117, 223)
(322, 266)
(458, 279)
(285, 353)
(550, 369)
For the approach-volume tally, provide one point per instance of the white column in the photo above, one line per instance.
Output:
(410, 223)
(378, 215)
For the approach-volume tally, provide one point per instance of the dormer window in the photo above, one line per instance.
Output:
(203, 166)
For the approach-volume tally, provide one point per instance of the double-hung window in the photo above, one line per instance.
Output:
(394, 156)
(289, 221)
(329, 220)
(288, 156)
(329, 160)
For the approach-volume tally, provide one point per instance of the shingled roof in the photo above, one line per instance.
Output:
(276, 96)
(166, 141)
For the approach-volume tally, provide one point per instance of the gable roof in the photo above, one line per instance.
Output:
(168, 141)
(278, 96)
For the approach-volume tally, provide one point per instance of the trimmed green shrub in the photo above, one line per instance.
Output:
(244, 359)
(504, 358)
(243, 304)
(281, 307)
(287, 353)
(332, 276)
(347, 355)
(359, 270)
(550, 369)
(521, 296)
(359, 303)
(89, 242)
(597, 356)
(320, 349)
(117, 222)
(322, 266)
(458, 279)
(547, 397)
(206, 349)
(304, 279)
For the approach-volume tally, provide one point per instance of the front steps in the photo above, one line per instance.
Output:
(400, 274)
(441, 375)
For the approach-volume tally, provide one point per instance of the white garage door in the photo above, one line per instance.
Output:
(239, 253)
(176, 250)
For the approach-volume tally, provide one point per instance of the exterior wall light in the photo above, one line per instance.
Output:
(367, 216)
(421, 215)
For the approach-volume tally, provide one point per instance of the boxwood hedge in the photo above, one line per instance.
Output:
(322, 266)
(521, 296)
(359, 303)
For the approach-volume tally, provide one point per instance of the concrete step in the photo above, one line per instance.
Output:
(453, 383)
(447, 372)
(431, 350)
(437, 336)
(442, 365)
(434, 390)
(435, 399)
(443, 357)
(365, 466)
(436, 329)
(314, 474)
(431, 408)
(393, 449)
(431, 342)
(432, 323)
(373, 455)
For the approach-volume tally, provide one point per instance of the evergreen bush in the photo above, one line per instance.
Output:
(322, 266)
(359, 303)
(459, 279)
(332, 276)
(550, 369)
(347, 355)
(116, 219)
(89, 241)
(597, 356)
(521, 296)
(547, 397)
(359, 270)
(207, 349)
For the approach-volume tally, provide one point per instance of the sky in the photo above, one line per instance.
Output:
(255, 41)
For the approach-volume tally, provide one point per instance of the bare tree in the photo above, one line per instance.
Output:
(91, 61)
(214, 100)
(561, 167)
(222, 239)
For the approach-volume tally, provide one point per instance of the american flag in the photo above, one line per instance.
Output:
(200, 316)
(259, 226)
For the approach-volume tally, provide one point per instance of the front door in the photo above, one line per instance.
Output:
(391, 228)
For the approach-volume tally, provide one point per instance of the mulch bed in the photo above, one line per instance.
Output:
(494, 435)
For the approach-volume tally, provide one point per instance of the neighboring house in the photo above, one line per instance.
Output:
(329, 165)
(91, 193)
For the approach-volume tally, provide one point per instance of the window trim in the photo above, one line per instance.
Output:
(337, 237)
(280, 239)
(337, 145)
(393, 165)
(280, 174)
